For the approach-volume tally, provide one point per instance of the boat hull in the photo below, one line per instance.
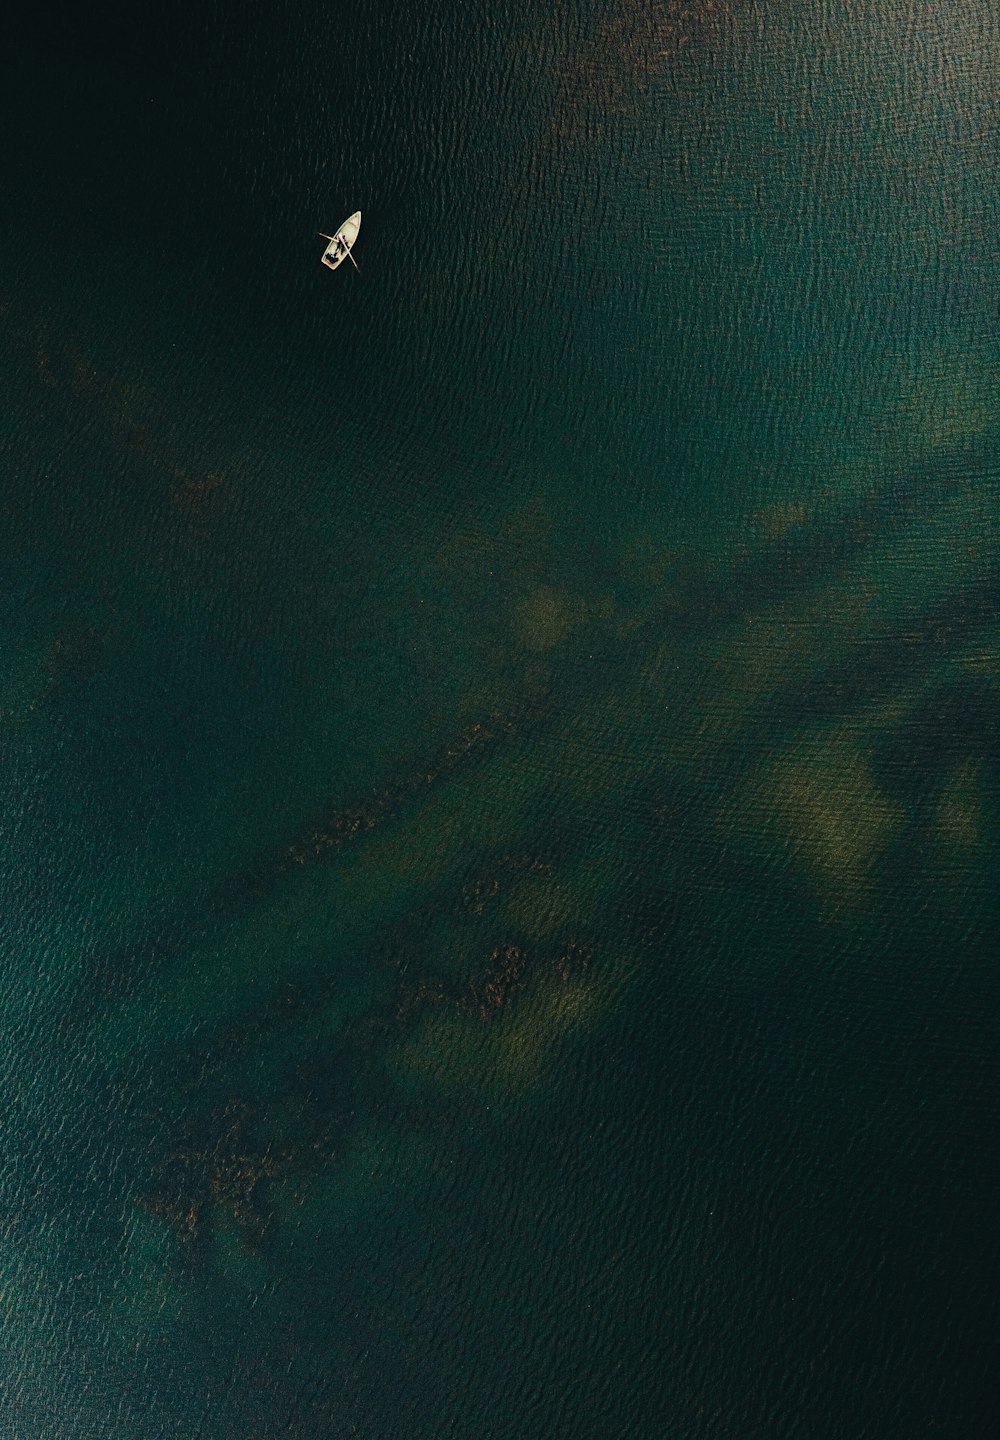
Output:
(340, 244)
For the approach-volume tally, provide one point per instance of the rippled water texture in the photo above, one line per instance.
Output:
(499, 750)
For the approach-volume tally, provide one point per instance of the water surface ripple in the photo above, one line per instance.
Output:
(500, 749)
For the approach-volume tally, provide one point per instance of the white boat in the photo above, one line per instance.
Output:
(339, 248)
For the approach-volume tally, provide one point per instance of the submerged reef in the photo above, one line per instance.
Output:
(683, 735)
(466, 895)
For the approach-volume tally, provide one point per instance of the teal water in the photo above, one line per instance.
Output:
(499, 751)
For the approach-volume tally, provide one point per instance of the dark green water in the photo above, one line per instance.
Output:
(499, 752)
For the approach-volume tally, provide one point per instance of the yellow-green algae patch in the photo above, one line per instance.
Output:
(510, 1054)
(960, 808)
(545, 902)
(981, 657)
(952, 396)
(821, 804)
(545, 617)
(684, 701)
